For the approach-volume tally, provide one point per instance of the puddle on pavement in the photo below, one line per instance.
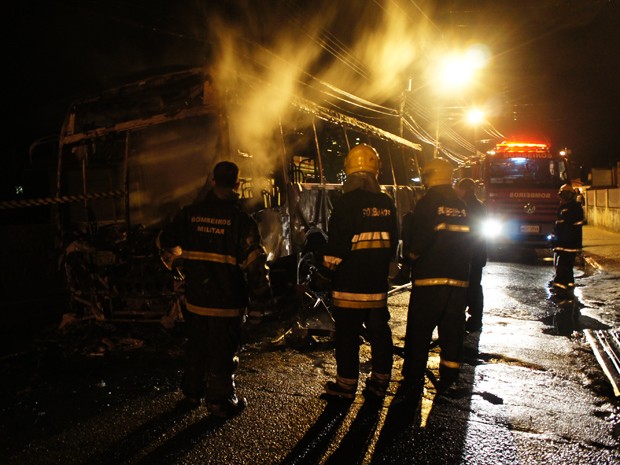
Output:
(505, 360)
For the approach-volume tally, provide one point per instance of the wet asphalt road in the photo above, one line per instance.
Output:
(530, 392)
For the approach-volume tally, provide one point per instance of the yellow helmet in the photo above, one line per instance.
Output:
(437, 172)
(362, 158)
(566, 188)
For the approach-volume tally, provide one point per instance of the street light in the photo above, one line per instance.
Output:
(456, 71)
(475, 116)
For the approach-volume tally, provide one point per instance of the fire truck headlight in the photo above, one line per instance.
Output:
(492, 228)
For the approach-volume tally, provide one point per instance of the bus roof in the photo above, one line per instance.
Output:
(174, 96)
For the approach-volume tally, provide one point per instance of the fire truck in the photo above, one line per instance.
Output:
(519, 181)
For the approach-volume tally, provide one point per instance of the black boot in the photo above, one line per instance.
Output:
(342, 388)
(227, 408)
(376, 386)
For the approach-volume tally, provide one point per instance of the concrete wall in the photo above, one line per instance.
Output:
(602, 208)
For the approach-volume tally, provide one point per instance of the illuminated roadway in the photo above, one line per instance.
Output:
(530, 392)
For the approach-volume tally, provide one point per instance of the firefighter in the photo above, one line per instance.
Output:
(224, 266)
(567, 240)
(477, 212)
(439, 247)
(362, 240)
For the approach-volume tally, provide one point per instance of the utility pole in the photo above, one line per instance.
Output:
(403, 103)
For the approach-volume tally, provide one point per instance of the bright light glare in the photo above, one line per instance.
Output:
(475, 116)
(455, 71)
(458, 69)
(492, 228)
(478, 56)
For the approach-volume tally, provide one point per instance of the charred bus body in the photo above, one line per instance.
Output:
(131, 157)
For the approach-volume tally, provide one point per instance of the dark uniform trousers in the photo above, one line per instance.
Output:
(429, 307)
(568, 232)
(564, 263)
(475, 296)
(211, 347)
(349, 326)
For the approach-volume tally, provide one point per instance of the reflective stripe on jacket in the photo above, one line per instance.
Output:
(223, 260)
(568, 227)
(362, 240)
(438, 240)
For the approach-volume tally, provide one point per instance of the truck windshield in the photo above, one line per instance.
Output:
(526, 171)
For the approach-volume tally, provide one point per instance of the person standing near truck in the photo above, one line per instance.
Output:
(439, 247)
(477, 213)
(567, 241)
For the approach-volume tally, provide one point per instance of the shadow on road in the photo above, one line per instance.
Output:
(354, 446)
(430, 424)
(316, 441)
(177, 445)
(403, 415)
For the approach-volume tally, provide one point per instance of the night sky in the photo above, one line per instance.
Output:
(555, 68)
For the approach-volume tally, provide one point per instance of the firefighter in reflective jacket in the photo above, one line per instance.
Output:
(362, 240)
(224, 265)
(439, 247)
(567, 240)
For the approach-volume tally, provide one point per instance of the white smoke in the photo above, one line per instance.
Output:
(266, 53)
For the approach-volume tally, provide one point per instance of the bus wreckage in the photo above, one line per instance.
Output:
(131, 157)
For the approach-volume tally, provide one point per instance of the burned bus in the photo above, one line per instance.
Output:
(131, 157)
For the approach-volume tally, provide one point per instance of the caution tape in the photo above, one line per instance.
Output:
(8, 204)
